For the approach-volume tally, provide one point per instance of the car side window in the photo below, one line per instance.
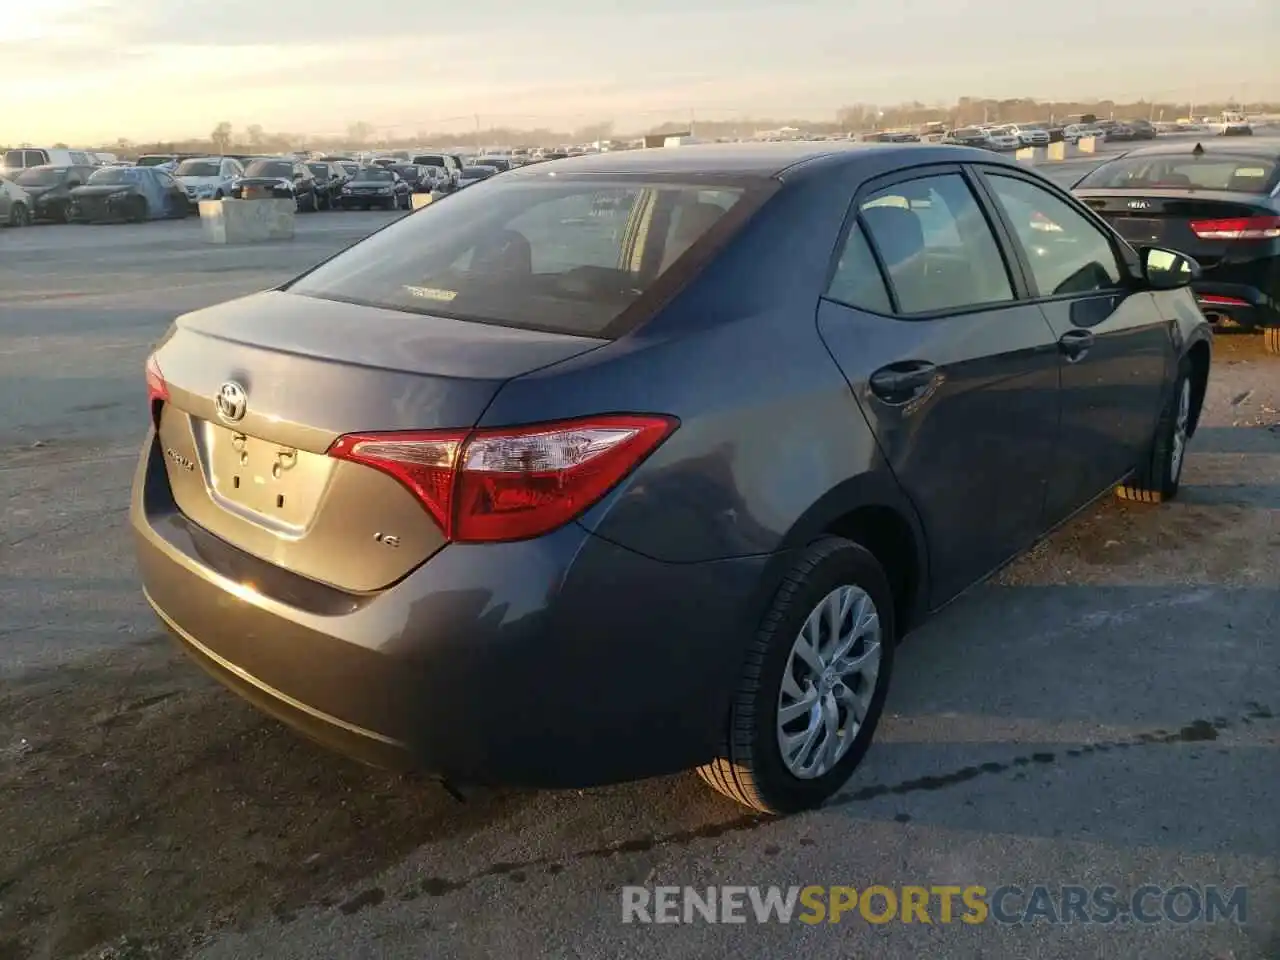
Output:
(857, 281)
(936, 245)
(1067, 253)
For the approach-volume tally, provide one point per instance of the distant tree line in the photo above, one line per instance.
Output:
(853, 118)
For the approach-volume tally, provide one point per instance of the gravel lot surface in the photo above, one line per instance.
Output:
(1103, 712)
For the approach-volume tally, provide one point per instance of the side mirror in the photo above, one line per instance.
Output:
(1168, 269)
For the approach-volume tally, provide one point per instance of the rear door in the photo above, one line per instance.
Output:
(1116, 347)
(957, 377)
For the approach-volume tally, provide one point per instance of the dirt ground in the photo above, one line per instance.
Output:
(142, 807)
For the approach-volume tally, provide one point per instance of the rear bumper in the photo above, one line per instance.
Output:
(96, 208)
(1236, 305)
(366, 199)
(563, 661)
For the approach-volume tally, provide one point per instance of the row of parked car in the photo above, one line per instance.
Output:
(1014, 136)
(81, 188)
(173, 187)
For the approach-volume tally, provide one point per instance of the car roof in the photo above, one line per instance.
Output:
(748, 159)
(1268, 147)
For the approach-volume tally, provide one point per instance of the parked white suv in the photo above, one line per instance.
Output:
(1003, 138)
(1075, 132)
(1029, 136)
(21, 159)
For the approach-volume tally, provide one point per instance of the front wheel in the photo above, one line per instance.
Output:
(1158, 476)
(813, 684)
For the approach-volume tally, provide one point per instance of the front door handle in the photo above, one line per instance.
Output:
(1075, 344)
(900, 382)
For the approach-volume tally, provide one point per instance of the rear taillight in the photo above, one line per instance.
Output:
(157, 389)
(1213, 300)
(1237, 228)
(512, 483)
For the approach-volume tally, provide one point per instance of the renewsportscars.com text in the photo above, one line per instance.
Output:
(945, 904)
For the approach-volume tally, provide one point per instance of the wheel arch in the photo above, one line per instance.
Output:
(1198, 355)
(872, 510)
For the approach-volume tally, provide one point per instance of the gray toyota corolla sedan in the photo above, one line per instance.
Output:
(623, 464)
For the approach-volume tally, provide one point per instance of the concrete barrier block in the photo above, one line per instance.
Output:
(1029, 154)
(1087, 145)
(1056, 151)
(419, 200)
(246, 221)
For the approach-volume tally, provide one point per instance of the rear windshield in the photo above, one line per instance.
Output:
(41, 176)
(563, 256)
(1185, 172)
(478, 171)
(116, 175)
(269, 168)
(375, 174)
(429, 159)
(153, 161)
(197, 168)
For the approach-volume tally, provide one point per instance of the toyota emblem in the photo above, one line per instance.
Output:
(231, 402)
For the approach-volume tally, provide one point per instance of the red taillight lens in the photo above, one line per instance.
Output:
(424, 462)
(157, 389)
(512, 483)
(1213, 300)
(1237, 228)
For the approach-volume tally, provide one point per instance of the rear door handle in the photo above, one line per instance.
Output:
(900, 382)
(1075, 343)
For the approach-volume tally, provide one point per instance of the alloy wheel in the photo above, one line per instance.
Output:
(828, 682)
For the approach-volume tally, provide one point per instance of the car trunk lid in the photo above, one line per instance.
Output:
(261, 387)
(1164, 217)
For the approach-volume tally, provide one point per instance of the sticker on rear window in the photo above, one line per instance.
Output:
(431, 293)
(1250, 172)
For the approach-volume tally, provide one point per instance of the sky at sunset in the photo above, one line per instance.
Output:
(88, 71)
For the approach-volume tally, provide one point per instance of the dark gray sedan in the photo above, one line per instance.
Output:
(520, 494)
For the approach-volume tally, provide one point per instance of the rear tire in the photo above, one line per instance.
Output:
(751, 767)
(1158, 476)
(1271, 340)
(19, 215)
